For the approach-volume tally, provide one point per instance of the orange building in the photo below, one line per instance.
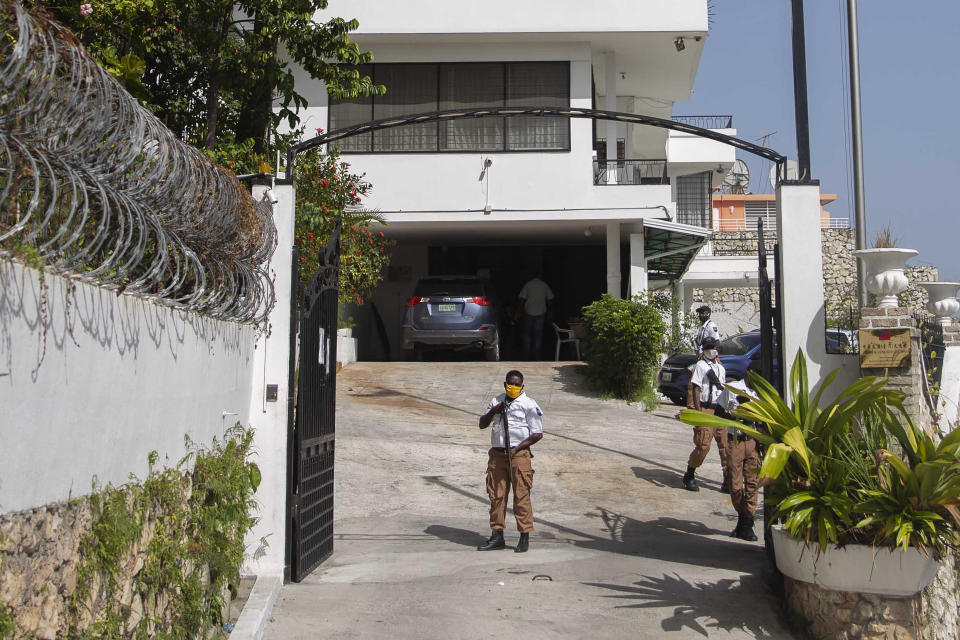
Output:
(740, 212)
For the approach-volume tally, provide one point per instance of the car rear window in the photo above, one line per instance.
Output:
(738, 345)
(453, 287)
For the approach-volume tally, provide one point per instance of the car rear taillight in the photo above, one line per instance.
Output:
(483, 301)
(414, 301)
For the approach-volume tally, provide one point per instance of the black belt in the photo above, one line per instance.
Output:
(500, 449)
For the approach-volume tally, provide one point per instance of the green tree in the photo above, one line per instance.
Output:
(212, 69)
(326, 189)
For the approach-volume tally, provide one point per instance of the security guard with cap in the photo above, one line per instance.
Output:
(708, 329)
(706, 382)
(743, 459)
(511, 469)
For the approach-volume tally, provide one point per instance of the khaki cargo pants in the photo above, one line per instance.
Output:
(701, 446)
(498, 488)
(743, 460)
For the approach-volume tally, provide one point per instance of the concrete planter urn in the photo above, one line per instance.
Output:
(943, 301)
(855, 567)
(345, 333)
(885, 277)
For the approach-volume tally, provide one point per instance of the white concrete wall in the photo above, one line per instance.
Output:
(522, 180)
(688, 154)
(111, 378)
(269, 419)
(532, 16)
(950, 389)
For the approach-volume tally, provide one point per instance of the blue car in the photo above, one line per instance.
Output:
(737, 354)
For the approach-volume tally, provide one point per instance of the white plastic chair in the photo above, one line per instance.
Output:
(565, 335)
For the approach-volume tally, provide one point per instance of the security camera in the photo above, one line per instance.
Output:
(269, 195)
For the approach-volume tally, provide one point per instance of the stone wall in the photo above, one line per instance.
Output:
(839, 271)
(843, 615)
(43, 579)
(909, 379)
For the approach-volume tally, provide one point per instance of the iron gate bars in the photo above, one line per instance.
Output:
(314, 433)
(100, 189)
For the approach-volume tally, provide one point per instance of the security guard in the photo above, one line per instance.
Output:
(525, 427)
(707, 383)
(743, 461)
(708, 329)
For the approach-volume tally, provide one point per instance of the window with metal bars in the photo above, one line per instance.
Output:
(694, 199)
(422, 87)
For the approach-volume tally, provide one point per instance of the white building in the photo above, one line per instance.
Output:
(544, 201)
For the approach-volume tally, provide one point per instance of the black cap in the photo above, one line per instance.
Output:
(703, 308)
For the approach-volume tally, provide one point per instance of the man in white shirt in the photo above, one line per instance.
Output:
(535, 298)
(524, 428)
(708, 329)
(707, 383)
(743, 460)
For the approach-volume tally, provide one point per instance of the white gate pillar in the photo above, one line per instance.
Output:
(613, 259)
(801, 278)
(638, 265)
(268, 405)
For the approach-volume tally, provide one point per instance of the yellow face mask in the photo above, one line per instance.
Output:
(513, 391)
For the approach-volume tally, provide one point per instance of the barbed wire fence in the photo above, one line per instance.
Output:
(95, 186)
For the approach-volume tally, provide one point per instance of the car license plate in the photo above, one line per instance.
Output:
(446, 308)
(666, 376)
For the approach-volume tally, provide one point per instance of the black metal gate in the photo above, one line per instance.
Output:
(314, 430)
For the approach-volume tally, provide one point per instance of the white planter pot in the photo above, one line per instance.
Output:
(346, 350)
(345, 333)
(885, 277)
(943, 301)
(855, 567)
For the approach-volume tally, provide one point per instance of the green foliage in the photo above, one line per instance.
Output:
(192, 524)
(326, 189)
(7, 624)
(210, 69)
(622, 344)
(834, 481)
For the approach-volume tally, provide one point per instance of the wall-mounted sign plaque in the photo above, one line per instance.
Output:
(883, 348)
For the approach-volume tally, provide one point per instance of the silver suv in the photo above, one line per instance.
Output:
(451, 311)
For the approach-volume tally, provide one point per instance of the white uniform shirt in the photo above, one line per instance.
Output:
(535, 295)
(523, 416)
(708, 393)
(708, 330)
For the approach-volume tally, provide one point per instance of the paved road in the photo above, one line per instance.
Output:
(619, 549)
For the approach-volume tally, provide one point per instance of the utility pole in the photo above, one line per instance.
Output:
(800, 93)
(858, 200)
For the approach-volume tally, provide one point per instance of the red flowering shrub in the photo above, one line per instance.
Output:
(325, 187)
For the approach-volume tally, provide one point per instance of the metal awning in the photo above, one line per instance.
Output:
(670, 247)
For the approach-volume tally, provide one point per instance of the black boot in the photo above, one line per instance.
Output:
(736, 532)
(523, 544)
(746, 531)
(495, 541)
(689, 481)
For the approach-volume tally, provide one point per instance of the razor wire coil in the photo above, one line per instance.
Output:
(97, 186)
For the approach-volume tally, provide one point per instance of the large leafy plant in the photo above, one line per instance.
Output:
(832, 478)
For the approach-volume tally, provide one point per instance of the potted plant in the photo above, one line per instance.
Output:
(942, 299)
(852, 515)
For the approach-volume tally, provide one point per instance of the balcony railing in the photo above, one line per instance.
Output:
(630, 172)
(770, 223)
(706, 122)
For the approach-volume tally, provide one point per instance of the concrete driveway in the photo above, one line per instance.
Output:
(619, 550)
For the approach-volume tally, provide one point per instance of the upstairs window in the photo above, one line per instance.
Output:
(417, 88)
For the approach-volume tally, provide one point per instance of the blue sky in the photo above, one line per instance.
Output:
(910, 95)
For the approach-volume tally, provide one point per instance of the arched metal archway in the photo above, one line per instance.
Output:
(547, 112)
